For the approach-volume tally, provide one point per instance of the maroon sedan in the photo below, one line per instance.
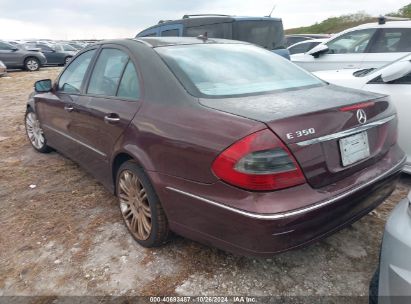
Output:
(219, 141)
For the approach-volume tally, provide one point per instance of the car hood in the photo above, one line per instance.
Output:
(344, 77)
(289, 103)
(336, 74)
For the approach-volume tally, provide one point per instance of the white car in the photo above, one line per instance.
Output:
(366, 46)
(304, 46)
(393, 79)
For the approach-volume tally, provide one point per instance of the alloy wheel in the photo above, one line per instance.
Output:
(34, 131)
(32, 65)
(134, 205)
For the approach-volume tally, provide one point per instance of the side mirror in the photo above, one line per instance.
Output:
(396, 70)
(318, 50)
(43, 86)
(14, 49)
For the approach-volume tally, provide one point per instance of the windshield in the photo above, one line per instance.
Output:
(267, 33)
(233, 69)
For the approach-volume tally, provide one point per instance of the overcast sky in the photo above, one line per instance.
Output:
(87, 19)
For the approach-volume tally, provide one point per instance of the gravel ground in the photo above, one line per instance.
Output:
(64, 235)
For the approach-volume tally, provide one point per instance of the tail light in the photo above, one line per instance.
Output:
(357, 106)
(259, 162)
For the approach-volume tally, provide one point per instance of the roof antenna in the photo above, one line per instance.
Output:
(203, 37)
(381, 19)
(272, 10)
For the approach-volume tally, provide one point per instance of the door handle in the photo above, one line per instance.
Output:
(68, 108)
(111, 118)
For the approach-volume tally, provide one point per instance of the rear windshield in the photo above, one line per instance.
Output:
(232, 69)
(267, 33)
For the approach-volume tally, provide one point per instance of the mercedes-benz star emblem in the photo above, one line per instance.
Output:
(361, 116)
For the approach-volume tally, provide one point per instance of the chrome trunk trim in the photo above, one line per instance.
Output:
(345, 133)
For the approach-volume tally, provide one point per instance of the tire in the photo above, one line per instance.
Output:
(67, 60)
(35, 133)
(373, 292)
(31, 64)
(140, 206)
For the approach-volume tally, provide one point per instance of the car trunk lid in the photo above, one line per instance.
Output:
(321, 127)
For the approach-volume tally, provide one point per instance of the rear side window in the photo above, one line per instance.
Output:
(107, 72)
(170, 33)
(129, 85)
(218, 30)
(72, 77)
(392, 40)
(351, 42)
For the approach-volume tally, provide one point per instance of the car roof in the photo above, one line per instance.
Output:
(154, 42)
(197, 20)
(391, 24)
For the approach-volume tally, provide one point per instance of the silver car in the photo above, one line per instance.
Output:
(3, 69)
(392, 281)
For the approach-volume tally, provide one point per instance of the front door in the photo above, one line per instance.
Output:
(345, 52)
(55, 109)
(105, 110)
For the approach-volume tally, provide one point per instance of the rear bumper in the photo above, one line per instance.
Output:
(395, 267)
(196, 214)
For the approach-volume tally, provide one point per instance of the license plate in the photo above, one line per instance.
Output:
(354, 148)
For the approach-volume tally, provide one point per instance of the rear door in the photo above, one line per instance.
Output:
(55, 108)
(388, 45)
(50, 53)
(110, 101)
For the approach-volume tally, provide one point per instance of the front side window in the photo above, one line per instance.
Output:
(107, 72)
(150, 35)
(72, 77)
(352, 42)
(170, 33)
(392, 40)
(232, 69)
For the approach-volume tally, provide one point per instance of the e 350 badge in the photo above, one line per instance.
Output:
(301, 133)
